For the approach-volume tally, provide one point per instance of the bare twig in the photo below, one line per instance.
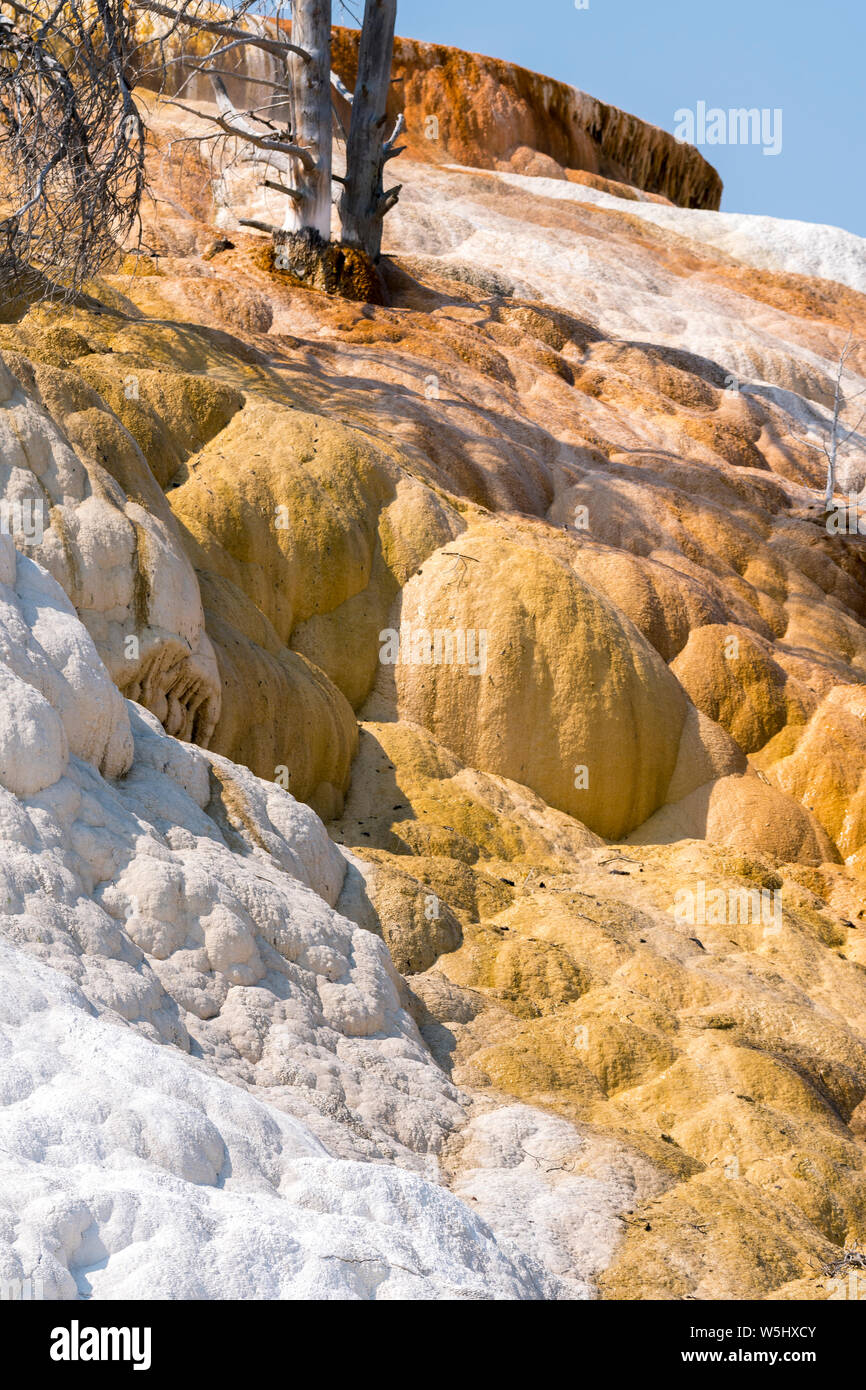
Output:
(71, 140)
(293, 193)
(278, 48)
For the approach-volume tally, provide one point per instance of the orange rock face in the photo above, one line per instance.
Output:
(463, 108)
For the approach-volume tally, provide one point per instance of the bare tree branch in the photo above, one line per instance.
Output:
(278, 48)
(233, 122)
(71, 140)
(399, 127)
(837, 435)
(227, 72)
(259, 226)
(293, 193)
(339, 86)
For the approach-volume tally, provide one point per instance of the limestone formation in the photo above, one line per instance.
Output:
(432, 768)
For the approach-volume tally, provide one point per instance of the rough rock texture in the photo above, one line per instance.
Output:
(489, 112)
(632, 1069)
(823, 763)
(196, 1189)
(169, 946)
(766, 242)
(463, 108)
(547, 634)
(105, 531)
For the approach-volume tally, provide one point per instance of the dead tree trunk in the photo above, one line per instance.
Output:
(297, 155)
(364, 202)
(309, 81)
(832, 449)
(838, 434)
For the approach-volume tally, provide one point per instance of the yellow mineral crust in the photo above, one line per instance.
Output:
(607, 800)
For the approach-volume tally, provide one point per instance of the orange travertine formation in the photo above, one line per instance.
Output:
(548, 526)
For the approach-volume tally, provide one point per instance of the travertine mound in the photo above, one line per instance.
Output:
(564, 695)
(824, 766)
(724, 1045)
(98, 521)
(593, 436)
(416, 924)
(281, 715)
(487, 112)
(99, 432)
(414, 796)
(745, 813)
(731, 676)
(296, 531)
(170, 946)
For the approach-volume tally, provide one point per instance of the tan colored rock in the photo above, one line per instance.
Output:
(826, 769)
(745, 813)
(281, 716)
(527, 161)
(707, 752)
(295, 528)
(412, 795)
(107, 535)
(170, 415)
(664, 604)
(732, 678)
(715, 1049)
(415, 923)
(553, 680)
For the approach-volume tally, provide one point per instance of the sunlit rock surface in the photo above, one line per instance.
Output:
(615, 852)
(210, 1085)
(467, 108)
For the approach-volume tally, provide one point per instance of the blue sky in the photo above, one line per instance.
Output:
(653, 57)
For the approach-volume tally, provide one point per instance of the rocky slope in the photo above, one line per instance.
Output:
(616, 852)
(464, 108)
(489, 115)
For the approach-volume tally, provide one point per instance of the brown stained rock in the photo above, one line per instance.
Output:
(304, 259)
